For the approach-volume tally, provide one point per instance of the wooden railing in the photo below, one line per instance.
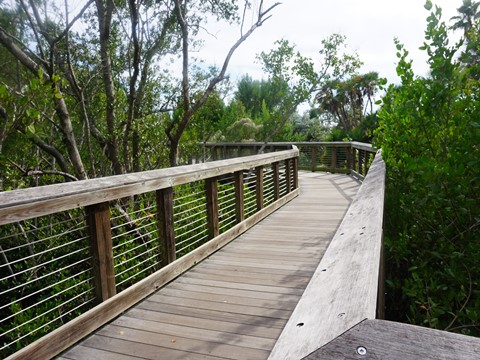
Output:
(347, 286)
(338, 157)
(81, 253)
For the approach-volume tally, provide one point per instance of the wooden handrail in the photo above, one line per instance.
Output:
(346, 287)
(334, 156)
(28, 203)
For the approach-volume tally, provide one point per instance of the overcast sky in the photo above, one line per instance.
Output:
(369, 25)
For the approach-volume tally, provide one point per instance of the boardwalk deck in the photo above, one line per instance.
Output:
(234, 304)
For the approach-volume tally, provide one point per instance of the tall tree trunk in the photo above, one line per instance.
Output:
(60, 105)
(175, 130)
(105, 9)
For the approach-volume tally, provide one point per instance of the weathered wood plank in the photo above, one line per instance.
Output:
(240, 197)
(211, 190)
(204, 323)
(380, 339)
(344, 289)
(165, 224)
(108, 346)
(233, 292)
(98, 219)
(235, 299)
(215, 348)
(259, 187)
(194, 333)
(235, 318)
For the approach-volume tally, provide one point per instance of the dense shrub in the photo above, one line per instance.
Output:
(430, 132)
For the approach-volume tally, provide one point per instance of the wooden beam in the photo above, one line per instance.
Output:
(314, 159)
(259, 187)
(288, 174)
(360, 164)
(276, 180)
(28, 203)
(211, 190)
(295, 172)
(165, 224)
(344, 289)
(334, 158)
(380, 339)
(98, 220)
(239, 197)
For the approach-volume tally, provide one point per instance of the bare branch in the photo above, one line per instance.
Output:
(71, 23)
(19, 54)
(50, 172)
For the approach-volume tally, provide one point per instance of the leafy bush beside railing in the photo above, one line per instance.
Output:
(67, 247)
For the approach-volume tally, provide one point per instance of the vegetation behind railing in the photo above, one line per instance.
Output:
(338, 157)
(65, 248)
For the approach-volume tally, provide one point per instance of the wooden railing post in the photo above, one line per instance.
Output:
(295, 173)
(365, 163)
(354, 160)
(165, 224)
(349, 159)
(276, 180)
(239, 197)
(314, 158)
(359, 161)
(212, 207)
(334, 158)
(259, 186)
(98, 219)
(288, 175)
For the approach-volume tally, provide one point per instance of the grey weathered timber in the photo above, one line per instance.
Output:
(211, 190)
(344, 289)
(98, 219)
(28, 203)
(235, 303)
(259, 187)
(239, 197)
(165, 224)
(380, 339)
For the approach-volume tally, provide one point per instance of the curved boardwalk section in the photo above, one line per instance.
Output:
(234, 304)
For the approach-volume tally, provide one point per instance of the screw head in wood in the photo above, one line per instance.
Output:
(361, 350)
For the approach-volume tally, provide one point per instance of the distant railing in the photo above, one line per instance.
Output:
(81, 253)
(337, 157)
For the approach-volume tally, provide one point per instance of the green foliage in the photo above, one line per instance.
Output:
(429, 134)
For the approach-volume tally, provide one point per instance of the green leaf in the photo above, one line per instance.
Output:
(428, 5)
(30, 129)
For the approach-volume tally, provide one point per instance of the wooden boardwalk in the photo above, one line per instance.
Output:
(234, 304)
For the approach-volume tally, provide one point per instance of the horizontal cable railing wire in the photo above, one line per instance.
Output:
(45, 276)
(66, 248)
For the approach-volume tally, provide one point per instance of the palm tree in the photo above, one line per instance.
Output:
(468, 15)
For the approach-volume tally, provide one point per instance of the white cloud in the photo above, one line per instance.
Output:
(370, 27)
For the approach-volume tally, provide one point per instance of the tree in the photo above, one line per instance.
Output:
(349, 100)
(468, 15)
(302, 76)
(106, 84)
(429, 135)
(468, 21)
(176, 129)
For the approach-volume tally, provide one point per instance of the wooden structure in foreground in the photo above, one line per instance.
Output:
(235, 303)
(247, 300)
